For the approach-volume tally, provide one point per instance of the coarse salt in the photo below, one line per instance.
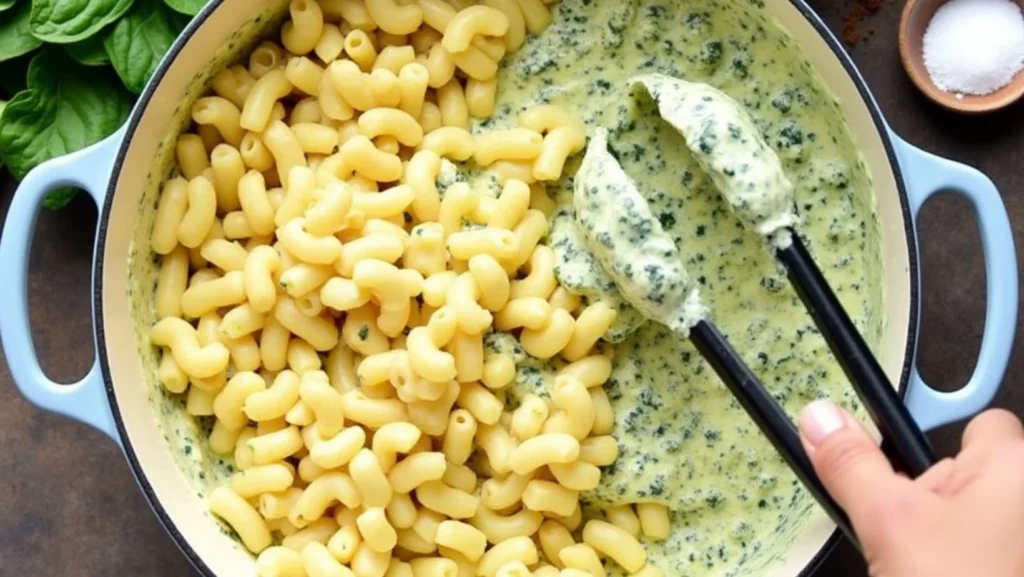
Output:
(974, 46)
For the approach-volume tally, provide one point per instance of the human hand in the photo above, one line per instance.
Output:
(963, 518)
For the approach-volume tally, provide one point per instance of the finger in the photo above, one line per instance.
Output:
(937, 479)
(845, 457)
(992, 427)
(983, 437)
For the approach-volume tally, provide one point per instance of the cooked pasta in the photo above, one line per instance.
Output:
(351, 306)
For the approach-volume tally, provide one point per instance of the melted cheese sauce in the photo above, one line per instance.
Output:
(684, 441)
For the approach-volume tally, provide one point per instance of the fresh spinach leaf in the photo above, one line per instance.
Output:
(58, 199)
(65, 21)
(60, 112)
(15, 36)
(90, 51)
(7, 4)
(190, 7)
(139, 41)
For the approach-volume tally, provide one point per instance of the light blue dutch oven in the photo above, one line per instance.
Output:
(115, 396)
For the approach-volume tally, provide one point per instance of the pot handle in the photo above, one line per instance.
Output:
(86, 400)
(926, 176)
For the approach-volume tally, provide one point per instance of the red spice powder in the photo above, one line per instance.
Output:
(855, 15)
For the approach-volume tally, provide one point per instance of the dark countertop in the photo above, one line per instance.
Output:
(70, 506)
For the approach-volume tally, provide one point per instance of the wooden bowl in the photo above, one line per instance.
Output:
(917, 14)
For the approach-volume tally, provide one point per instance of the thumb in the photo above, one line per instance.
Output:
(847, 460)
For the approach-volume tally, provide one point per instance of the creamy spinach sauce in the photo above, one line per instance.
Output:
(684, 441)
(729, 148)
(630, 243)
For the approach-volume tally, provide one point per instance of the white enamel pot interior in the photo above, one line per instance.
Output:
(125, 269)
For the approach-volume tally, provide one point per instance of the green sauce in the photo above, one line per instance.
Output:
(684, 441)
(727, 145)
(630, 243)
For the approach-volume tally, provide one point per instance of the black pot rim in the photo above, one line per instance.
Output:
(144, 100)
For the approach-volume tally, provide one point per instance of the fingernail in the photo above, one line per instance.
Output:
(819, 420)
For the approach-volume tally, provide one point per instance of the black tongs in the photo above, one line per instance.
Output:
(902, 440)
(904, 443)
(766, 412)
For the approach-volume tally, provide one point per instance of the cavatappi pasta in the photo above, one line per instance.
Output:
(321, 298)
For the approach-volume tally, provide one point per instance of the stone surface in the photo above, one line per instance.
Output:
(70, 506)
